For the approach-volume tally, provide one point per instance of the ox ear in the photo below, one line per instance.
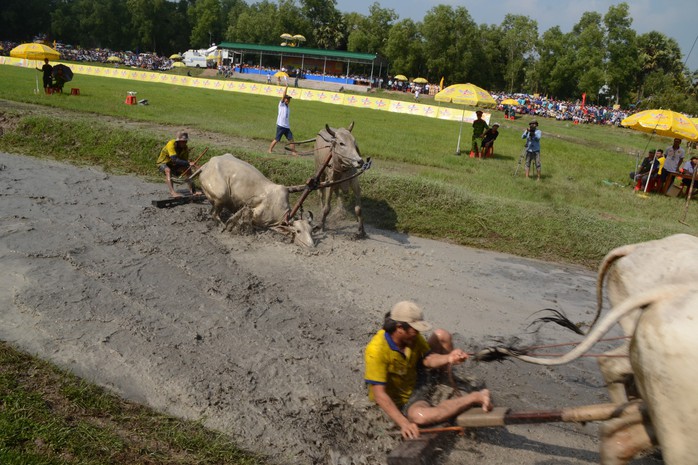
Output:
(283, 229)
(309, 217)
(329, 130)
(351, 126)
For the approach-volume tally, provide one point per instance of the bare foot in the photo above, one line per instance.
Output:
(294, 153)
(175, 195)
(270, 151)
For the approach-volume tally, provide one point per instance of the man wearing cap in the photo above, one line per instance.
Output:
(174, 160)
(479, 128)
(283, 125)
(532, 136)
(395, 359)
(487, 146)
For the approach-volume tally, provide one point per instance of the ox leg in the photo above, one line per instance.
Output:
(326, 205)
(618, 375)
(234, 219)
(625, 437)
(357, 209)
(216, 211)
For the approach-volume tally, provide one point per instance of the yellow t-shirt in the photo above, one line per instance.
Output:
(387, 365)
(171, 150)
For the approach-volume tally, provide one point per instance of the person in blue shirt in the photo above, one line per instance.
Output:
(532, 136)
(283, 126)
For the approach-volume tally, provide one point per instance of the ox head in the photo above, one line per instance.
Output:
(300, 229)
(345, 149)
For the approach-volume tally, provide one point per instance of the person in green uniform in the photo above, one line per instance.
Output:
(479, 128)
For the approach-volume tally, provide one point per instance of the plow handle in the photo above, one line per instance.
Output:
(309, 186)
(181, 176)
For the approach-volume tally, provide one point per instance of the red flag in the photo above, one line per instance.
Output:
(584, 99)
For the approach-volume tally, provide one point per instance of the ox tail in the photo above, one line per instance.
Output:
(630, 304)
(559, 318)
(605, 265)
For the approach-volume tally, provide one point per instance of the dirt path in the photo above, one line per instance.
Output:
(259, 338)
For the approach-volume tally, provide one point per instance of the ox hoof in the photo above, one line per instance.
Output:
(360, 235)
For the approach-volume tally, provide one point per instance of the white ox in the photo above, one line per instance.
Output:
(653, 288)
(344, 163)
(231, 183)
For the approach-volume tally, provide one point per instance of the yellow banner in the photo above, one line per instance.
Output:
(322, 96)
(337, 98)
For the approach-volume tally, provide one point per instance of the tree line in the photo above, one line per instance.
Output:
(602, 56)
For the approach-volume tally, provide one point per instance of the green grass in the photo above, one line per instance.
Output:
(417, 185)
(48, 416)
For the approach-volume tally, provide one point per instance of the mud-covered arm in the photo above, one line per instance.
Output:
(408, 429)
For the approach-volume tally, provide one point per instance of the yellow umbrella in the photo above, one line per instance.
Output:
(465, 94)
(114, 59)
(298, 38)
(664, 123)
(178, 64)
(35, 51)
(420, 80)
(175, 56)
(509, 101)
(286, 36)
(280, 74)
(401, 77)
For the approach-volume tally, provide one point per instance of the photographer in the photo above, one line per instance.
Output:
(532, 136)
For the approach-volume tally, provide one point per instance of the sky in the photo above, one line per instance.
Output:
(677, 19)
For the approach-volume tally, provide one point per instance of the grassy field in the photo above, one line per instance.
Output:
(582, 208)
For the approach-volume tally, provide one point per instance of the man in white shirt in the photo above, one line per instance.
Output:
(283, 126)
(673, 157)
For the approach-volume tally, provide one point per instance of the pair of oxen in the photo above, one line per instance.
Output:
(232, 184)
(653, 376)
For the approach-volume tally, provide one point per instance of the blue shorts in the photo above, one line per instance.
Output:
(176, 166)
(282, 131)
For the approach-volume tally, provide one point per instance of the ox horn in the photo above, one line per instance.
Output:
(327, 127)
(351, 126)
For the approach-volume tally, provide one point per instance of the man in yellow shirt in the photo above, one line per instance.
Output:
(174, 160)
(395, 358)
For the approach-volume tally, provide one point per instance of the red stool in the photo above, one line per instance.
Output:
(74, 91)
(131, 98)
